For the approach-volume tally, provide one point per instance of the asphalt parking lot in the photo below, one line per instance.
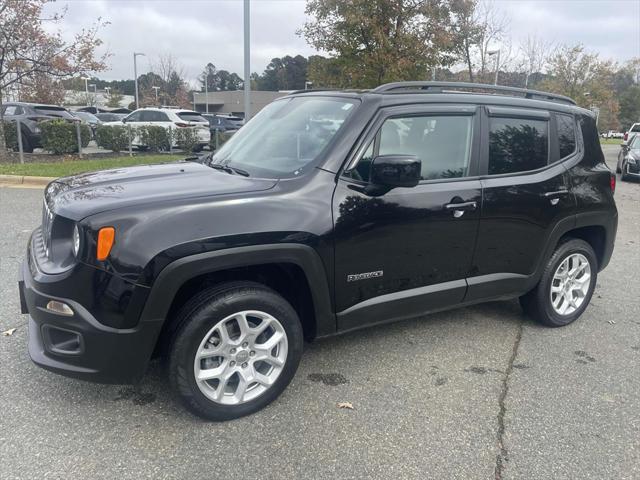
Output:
(476, 393)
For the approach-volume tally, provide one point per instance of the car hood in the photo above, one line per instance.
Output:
(83, 195)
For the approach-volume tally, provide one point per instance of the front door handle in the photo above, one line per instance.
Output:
(460, 208)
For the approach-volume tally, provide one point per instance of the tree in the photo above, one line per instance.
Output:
(115, 97)
(286, 73)
(168, 75)
(43, 88)
(630, 107)
(375, 41)
(494, 27)
(28, 49)
(467, 32)
(219, 80)
(535, 52)
(580, 75)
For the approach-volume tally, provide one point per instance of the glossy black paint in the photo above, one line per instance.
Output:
(368, 255)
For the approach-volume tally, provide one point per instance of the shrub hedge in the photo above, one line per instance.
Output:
(11, 135)
(186, 139)
(154, 137)
(60, 136)
(113, 137)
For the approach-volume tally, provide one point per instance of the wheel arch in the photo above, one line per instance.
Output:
(295, 271)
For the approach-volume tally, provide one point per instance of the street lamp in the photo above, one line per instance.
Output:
(247, 62)
(95, 93)
(86, 88)
(135, 74)
(497, 53)
(156, 90)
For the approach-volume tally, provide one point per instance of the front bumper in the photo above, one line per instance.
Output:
(78, 345)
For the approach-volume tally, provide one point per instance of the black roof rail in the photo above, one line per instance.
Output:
(449, 87)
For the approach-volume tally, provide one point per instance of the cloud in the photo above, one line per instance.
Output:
(196, 32)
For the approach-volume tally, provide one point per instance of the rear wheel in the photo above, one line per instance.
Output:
(566, 285)
(27, 147)
(237, 348)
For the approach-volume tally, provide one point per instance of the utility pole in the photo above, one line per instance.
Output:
(86, 88)
(135, 75)
(206, 92)
(494, 52)
(155, 89)
(247, 63)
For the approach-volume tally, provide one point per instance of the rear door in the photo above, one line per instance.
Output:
(409, 250)
(525, 194)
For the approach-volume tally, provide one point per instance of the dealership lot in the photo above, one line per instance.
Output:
(458, 394)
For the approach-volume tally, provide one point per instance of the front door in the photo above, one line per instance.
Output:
(409, 250)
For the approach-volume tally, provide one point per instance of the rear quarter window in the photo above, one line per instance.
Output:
(192, 117)
(566, 135)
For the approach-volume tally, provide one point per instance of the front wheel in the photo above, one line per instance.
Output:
(237, 348)
(566, 285)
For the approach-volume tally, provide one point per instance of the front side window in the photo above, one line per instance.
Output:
(566, 135)
(442, 143)
(517, 145)
(286, 136)
(135, 117)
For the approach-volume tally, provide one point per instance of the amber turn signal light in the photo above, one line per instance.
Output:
(106, 237)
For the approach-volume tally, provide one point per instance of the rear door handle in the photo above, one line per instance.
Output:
(460, 208)
(554, 197)
(557, 193)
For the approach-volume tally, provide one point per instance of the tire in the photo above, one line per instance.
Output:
(27, 147)
(200, 323)
(538, 302)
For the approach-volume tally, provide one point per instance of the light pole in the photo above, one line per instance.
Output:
(495, 52)
(247, 63)
(156, 90)
(206, 92)
(135, 74)
(95, 93)
(86, 88)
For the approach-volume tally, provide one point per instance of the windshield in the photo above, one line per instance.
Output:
(285, 136)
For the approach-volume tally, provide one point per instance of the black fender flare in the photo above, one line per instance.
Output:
(174, 275)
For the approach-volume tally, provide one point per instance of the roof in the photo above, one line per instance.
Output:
(399, 93)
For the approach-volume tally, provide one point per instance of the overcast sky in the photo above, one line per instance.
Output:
(200, 31)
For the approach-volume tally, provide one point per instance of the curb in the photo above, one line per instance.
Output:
(25, 180)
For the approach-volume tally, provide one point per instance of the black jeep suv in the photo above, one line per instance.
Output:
(327, 212)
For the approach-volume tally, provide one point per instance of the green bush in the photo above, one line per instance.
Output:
(11, 135)
(154, 137)
(186, 139)
(60, 136)
(112, 137)
(222, 139)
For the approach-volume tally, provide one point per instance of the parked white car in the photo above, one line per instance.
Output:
(635, 128)
(169, 118)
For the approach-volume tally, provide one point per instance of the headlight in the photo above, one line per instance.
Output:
(631, 160)
(76, 241)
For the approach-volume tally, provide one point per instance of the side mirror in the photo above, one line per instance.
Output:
(396, 171)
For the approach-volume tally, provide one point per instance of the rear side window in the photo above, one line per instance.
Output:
(566, 135)
(12, 110)
(53, 112)
(191, 117)
(517, 145)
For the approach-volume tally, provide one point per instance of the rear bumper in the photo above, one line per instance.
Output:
(78, 345)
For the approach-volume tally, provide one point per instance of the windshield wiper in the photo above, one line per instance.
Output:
(228, 169)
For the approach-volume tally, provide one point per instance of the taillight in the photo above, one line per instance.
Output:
(180, 124)
(612, 182)
(626, 136)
